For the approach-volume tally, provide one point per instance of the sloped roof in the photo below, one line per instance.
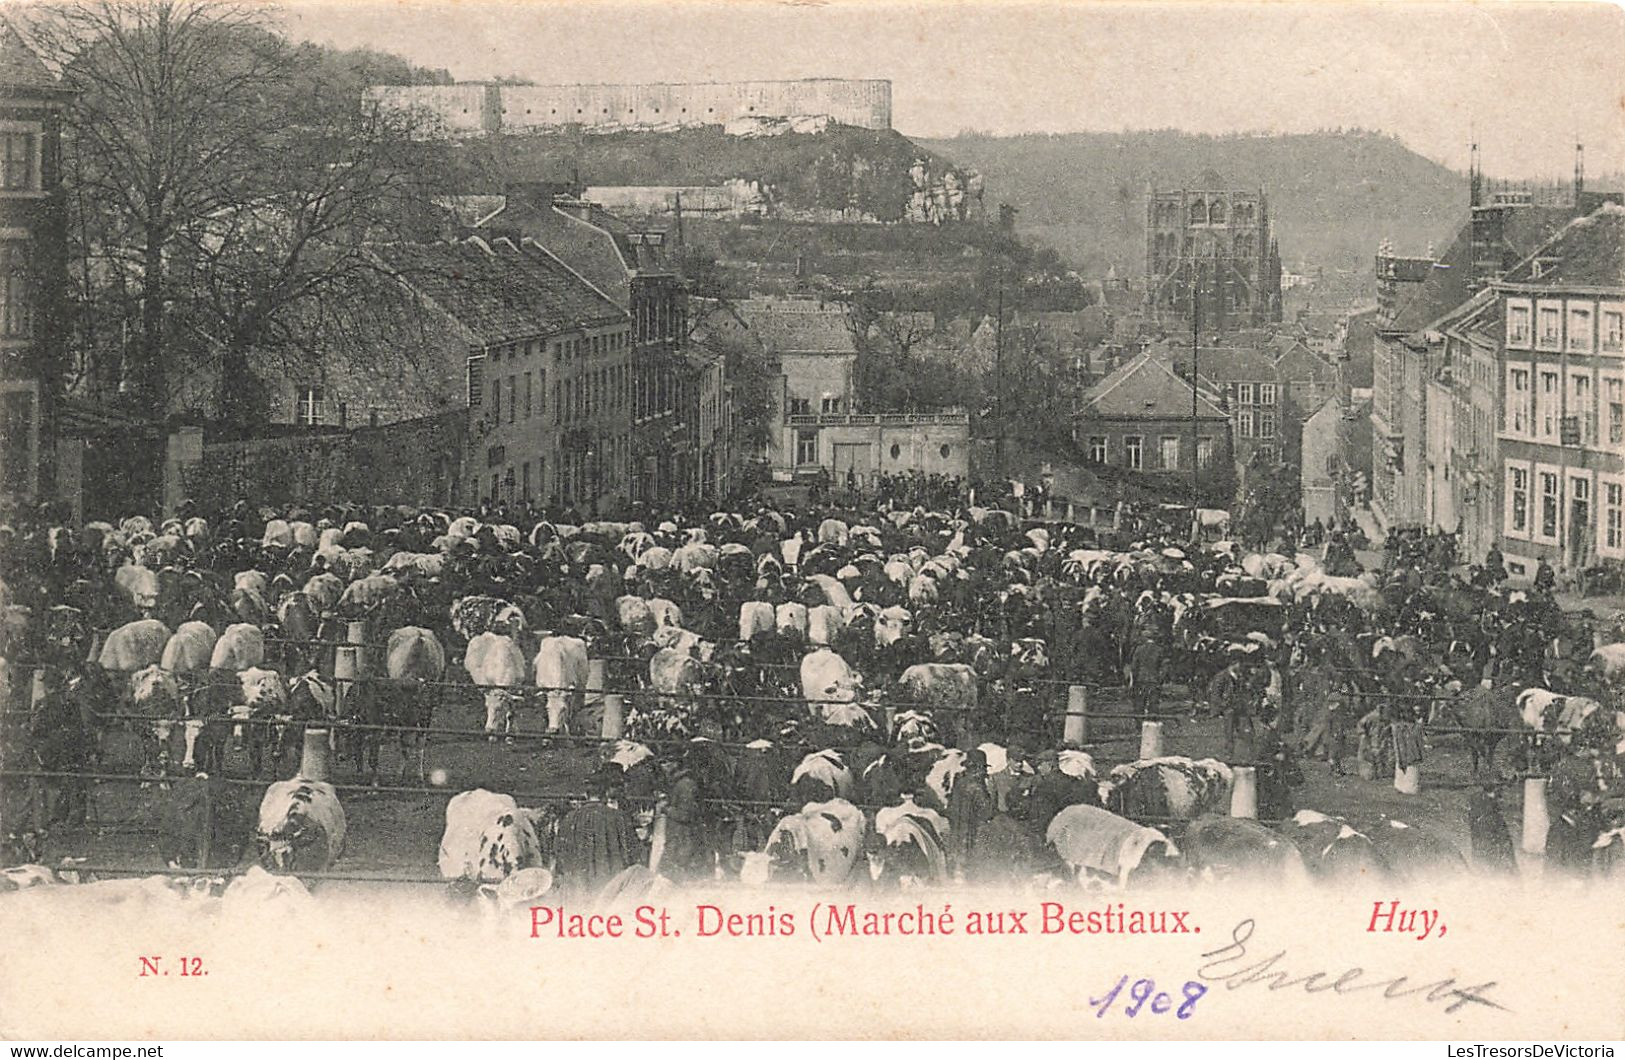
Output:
(797, 326)
(1588, 252)
(590, 250)
(1146, 387)
(498, 292)
(1228, 364)
(20, 64)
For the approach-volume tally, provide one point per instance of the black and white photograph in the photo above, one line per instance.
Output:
(902, 520)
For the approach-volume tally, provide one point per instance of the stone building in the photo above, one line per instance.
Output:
(33, 276)
(821, 425)
(543, 364)
(1560, 314)
(1413, 482)
(1139, 419)
(1218, 241)
(632, 265)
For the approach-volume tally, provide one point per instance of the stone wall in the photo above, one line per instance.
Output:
(473, 109)
(412, 462)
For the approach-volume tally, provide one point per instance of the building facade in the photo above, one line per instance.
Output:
(1217, 241)
(544, 366)
(33, 276)
(1561, 316)
(1139, 419)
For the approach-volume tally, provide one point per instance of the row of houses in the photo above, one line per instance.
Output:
(1246, 414)
(1499, 383)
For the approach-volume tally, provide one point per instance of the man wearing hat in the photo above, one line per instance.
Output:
(969, 808)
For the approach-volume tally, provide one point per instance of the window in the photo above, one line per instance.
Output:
(1518, 325)
(1580, 406)
(1517, 408)
(17, 171)
(1580, 328)
(1097, 448)
(1204, 452)
(806, 448)
(1244, 423)
(1613, 399)
(1169, 452)
(1551, 327)
(1244, 393)
(307, 406)
(1613, 331)
(1266, 393)
(15, 316)
(529, 393)
(513, 398)
(1548, 405)
(830, 406)
(1548, 504)
(524, 481)
(800, 406)
(18, 435)
(1266, 424)
(1613, 517)
(1134, 452)
(1517, 522)
(344, 414)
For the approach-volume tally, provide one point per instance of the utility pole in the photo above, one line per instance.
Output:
(998, 378)
(1196, 355)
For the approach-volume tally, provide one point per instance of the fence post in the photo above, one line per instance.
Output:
(315, 760)
(347, 664)
(1150, 739)
(1407, 781)
(1244, 792)
(614, 716)
(1075, 724)
(595, 684)
(1537, 821)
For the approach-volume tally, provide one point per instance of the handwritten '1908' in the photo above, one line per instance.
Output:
(1144, 990)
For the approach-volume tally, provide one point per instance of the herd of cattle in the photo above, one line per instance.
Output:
(788, 659)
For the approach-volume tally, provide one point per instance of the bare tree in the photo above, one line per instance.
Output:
(168, 125)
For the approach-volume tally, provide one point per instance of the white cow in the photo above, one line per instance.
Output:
(240, 647)
(791, 617)
(189, 649)
(487, 838)
(134, 646)
(755, 616)
(891, 625)
(301, 826)
(495, 663)
(827, 768)
(561, 671)
(824, 623)
(826, 678)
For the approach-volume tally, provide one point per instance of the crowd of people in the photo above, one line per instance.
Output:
(1299, 655)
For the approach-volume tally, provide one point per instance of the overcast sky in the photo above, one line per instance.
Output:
(1527, 77)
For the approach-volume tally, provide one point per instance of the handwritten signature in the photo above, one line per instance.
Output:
(1229, 965)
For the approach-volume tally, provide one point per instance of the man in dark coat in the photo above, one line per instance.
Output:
(1054, 791)
(1145, 673)
(970, 807)
(1487, 830)
(596, 839)
(1231, 695)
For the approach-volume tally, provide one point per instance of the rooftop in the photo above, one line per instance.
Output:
(1146, 387)
(1588, 252)
(498, 291)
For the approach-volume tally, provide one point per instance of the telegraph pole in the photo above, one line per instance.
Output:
(998, 378)
(1196, 354)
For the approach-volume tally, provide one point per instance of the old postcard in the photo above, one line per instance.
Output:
(814, 520)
